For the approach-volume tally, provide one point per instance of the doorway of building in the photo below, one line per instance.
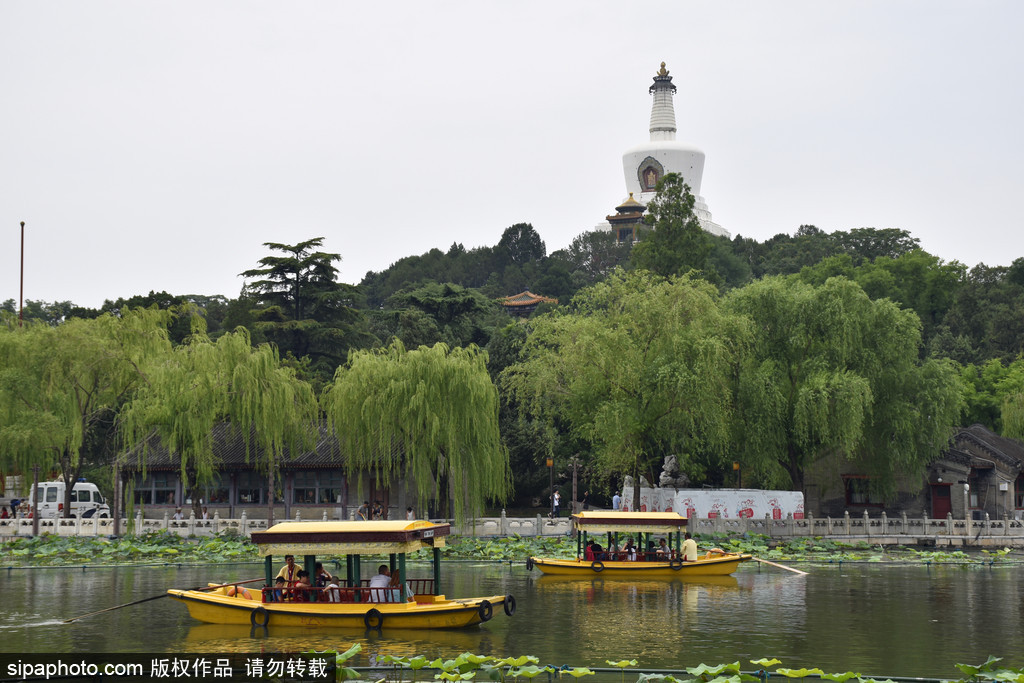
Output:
(942, 502)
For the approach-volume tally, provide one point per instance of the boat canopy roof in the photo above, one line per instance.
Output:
(349, 538)
(601, 521)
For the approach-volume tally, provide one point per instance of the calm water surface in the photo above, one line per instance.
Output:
(878, 620)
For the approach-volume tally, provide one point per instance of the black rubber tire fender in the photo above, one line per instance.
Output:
(485, 610)
(259, 617)
(675, 564)
(510, 605)
(597, 566)
(372, 615)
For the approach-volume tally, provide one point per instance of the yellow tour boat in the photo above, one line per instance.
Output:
(411, 603)
(646, 560)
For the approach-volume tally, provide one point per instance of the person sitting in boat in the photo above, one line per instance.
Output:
(663, 550)
(689, 548)
(629, 550)
(588, 552)
(331, 591)
(383, 579)
(321, 577)
(302, 592)
(279, 591)
(290, 571)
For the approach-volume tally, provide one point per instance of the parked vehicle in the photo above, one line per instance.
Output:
(86, 500)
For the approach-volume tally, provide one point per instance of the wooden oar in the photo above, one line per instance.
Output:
(780, 566)
(157, 597)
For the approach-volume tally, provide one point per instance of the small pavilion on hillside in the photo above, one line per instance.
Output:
(524, 303)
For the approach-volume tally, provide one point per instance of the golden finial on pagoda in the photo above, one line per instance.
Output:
(663, 71)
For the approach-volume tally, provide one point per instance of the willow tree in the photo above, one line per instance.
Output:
(60, 385)
(203, 384)
(639, 367)
(430, 415)
(832, 373)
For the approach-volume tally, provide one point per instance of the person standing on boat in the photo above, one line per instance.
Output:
(689, 548)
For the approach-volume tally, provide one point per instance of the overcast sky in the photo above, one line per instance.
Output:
(158, 145)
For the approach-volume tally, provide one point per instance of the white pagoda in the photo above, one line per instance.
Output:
(646, 163)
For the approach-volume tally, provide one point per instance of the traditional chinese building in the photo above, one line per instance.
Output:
(628, 220)
(524, 303)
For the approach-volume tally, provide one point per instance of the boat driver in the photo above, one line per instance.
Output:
(689, 548)
(290, 571)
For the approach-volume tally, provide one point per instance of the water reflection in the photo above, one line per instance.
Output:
(399, 642)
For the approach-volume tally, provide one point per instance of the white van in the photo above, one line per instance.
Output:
(86, 500)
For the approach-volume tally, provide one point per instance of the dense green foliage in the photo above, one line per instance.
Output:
(831, 371)
(61, 385)
(855, 295)
(299, 305)
(203, 383)
(430, 415)
(638, 367)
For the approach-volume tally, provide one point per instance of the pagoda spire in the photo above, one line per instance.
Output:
(663, 113)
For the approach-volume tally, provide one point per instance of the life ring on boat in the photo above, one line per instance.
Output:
(597, 566)
(259, 617)
(529, 564)
(485, 610)
(675, 564)
(244, 592)
(373, 619)
(510, 605)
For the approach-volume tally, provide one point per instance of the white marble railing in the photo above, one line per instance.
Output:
(853, 526)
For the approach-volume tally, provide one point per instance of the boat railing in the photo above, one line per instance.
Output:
(623, 556)
(363, 593)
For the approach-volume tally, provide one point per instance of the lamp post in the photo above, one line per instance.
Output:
(21, 288)
(551, 479)
(739, 477)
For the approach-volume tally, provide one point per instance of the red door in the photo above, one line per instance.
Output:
(942, 505)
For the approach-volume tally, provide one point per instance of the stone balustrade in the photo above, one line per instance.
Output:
(883, 529)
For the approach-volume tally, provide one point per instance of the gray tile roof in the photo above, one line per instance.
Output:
(229, 447)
